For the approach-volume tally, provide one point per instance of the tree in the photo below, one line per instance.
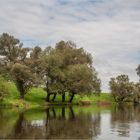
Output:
(74, 56)
(120, 87)
(136, 88)
(16, 61)
(136, 92)
(96, 82)
(58, 63)
(35, 59)
(79, 80)
(51, 72)
(12, 49)
(23, 77)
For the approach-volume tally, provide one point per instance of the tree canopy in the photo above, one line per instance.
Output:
(120, 87)
(15, 61)
(66, 68)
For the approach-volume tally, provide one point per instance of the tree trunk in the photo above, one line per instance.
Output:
(72, 96)
(21, 95)
(114, 98)
(72, 113)
(63, 97)
(54, 96)
(47, 116)
(20, 87)
(48, 97)
(19, 126)
(63, 112)
(54, 114)
(120, 100)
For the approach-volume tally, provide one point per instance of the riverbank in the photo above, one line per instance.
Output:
(36, 98)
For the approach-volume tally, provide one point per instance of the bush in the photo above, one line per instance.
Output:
(3, 88)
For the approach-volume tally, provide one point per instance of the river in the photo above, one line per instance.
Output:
(93, 123)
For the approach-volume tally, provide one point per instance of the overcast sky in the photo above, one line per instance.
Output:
(108, 29)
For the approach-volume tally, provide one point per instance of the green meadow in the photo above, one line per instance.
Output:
(36, 98)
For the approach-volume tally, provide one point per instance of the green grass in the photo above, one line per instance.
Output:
(36, 98)
(103, 97)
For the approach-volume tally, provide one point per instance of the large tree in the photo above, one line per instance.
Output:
(80, 80)
(12, 49)
(57, 63)
(51, 71)
(121, 88)
(16, 62)
(72, 56)
(23, 77)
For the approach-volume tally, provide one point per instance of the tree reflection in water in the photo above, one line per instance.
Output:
(69, 125)
(60, 123)
(123, 117)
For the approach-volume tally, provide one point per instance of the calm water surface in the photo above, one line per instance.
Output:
(116, 123)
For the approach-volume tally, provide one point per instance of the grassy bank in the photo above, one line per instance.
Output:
(36, 98)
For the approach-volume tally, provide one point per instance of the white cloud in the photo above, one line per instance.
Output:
(110, 30)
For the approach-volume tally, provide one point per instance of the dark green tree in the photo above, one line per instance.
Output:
(16, 62)
(121, 88)
(51, 72)
(23, 77)
(56, 64)
(79, 80)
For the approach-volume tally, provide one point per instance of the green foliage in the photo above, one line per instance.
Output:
(79, 79)
(121, 88)
(68, 69)
(136, 92)
(15, 61)
(9, 46)
(3, 88)
(104, 97)
(36, 96)
(23, 78)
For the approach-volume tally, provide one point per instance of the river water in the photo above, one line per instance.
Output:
(95, 123)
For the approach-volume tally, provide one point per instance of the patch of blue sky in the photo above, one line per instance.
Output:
(34, 42)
